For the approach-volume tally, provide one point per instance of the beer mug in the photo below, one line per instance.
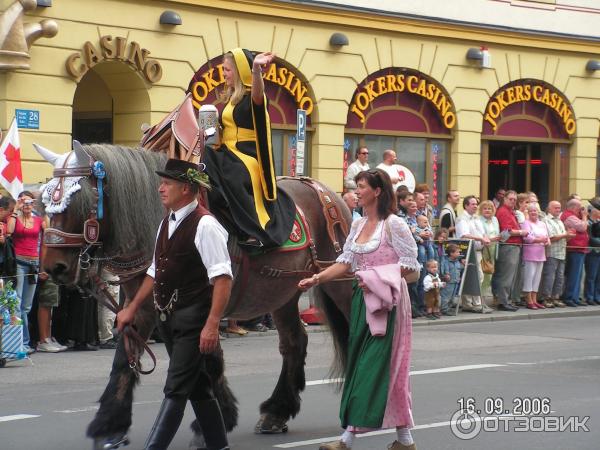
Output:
(208, 122)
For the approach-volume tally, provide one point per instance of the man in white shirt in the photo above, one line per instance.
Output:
(190, 281)
(362, 156)
(468, 226)
(399, 174)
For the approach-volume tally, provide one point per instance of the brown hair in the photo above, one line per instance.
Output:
(451, 248)
(439, 232)
(523, 196)
(421, 187)
(377, 178)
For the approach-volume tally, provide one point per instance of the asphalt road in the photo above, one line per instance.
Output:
(546, 365)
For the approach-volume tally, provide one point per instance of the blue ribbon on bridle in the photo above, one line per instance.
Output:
(99, 173)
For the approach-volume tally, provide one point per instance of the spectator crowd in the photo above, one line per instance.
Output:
(526, 256)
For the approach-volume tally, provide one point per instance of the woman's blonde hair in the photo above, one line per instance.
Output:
(485, 204)
(236, 92)
(522, 197)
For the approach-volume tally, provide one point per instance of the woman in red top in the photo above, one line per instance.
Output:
(26, 229)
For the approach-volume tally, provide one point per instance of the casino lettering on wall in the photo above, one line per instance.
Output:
(205, 82)
(531, 92)
(405, 81)
(113, 49)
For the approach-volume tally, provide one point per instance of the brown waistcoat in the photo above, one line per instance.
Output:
(179, 265)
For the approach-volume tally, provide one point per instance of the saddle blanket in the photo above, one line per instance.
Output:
(298, 239)
(11, 341)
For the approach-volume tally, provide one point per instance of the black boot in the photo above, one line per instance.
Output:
(166, 424)
(208, 416)
(197, 442)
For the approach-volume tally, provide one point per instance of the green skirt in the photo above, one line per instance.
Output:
(368, 370)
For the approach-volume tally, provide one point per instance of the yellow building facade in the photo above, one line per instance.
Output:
(471, 125)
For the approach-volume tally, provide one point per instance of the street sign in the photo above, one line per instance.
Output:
(301, 124)
(28, 118)
(300, 139)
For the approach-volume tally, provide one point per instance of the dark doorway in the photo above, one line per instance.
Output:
(92, 131)
(520, 166)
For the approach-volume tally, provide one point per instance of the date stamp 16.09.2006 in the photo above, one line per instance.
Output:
(520, 414)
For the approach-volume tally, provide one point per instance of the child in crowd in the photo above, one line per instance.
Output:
(432, 284)
(439, 241)
(451, 274)
(424, 244)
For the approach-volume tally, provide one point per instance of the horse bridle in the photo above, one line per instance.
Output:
(89, 238)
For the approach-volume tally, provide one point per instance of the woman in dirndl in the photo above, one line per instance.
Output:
(241, 169)
(380, 250)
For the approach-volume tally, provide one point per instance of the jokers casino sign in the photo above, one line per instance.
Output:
(531, 92)
(411, 82)
(207, 81)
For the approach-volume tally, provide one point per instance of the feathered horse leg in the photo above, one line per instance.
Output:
(113, 419)
(284, 402)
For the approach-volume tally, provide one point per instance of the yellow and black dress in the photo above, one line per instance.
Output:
(242, 173)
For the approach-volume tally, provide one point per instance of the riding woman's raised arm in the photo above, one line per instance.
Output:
(260, 62)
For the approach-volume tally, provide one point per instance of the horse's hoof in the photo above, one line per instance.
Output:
(268, 424)
(111, 442)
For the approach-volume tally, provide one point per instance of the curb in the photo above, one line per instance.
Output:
(496, 316)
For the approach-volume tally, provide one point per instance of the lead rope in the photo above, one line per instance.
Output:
(129, 332)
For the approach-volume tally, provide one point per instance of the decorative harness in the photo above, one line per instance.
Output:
(88, 240)
(55, 238)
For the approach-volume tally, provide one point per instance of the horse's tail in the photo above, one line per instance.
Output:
(215, 366)
(339, 327)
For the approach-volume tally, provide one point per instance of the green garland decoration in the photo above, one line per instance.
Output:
(195, 176)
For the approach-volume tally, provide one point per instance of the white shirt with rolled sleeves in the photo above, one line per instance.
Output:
(470, 225)
(210, 240)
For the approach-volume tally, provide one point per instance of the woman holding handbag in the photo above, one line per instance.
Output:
(487, 215)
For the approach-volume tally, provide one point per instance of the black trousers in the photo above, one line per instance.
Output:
(186, 377)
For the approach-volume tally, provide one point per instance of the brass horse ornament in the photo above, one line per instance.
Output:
(122, 242)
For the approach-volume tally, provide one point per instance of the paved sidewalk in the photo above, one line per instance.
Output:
(466, 317)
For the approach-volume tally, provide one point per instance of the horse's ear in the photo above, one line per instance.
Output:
(81, 156)
(48, 155)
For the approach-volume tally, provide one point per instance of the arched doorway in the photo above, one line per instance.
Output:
(111, 103)
(527, 131)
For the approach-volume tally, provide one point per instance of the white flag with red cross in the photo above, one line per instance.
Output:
(11, 175)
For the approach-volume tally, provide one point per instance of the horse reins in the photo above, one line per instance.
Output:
(104, 297)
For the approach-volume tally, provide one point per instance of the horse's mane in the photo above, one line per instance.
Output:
(131, 200)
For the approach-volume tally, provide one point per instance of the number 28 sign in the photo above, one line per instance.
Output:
(28, 118)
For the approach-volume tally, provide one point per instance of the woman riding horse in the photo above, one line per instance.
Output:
(241, 170)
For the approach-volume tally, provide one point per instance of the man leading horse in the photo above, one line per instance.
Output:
(190, 281)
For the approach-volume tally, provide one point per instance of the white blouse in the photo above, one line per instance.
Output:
(402, 242)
